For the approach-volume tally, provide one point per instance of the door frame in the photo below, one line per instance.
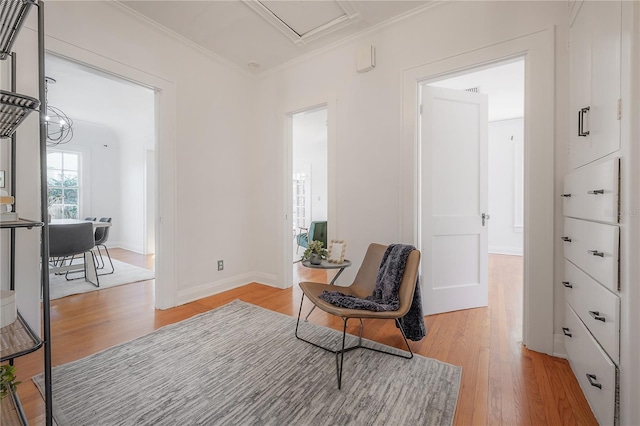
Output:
(165, 142)
(329, 101)
(537, 49)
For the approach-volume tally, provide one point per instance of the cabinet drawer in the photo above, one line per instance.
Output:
(597, 307)
(593, 247)
(592, 192)
(595, 372)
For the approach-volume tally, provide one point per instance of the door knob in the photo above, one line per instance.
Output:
(485, 217)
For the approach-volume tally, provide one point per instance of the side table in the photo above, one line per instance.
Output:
(326, 265)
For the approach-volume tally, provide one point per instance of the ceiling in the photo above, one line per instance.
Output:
(86, 94)
(261, 35)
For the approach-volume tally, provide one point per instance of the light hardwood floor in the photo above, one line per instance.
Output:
(502, 381)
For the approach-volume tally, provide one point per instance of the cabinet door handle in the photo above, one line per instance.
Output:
(596, 253)
(592, 381)
(567, 284)
(565, 195)
(596, 192)
(596, 316)
(566, 332)
(566, 239)
(581, 114)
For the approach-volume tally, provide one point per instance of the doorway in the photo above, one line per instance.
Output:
(309, 171)
(115, 138)
(472, 147)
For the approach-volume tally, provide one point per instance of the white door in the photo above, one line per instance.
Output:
(453, 199)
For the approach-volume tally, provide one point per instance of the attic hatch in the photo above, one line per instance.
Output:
(303, 21)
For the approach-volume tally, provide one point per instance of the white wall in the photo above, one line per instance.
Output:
(132, 190)
(369, 156)
(98, 147)
(505, 186)
(206, 104)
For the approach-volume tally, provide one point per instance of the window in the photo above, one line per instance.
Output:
(299, 199)
(63, 182)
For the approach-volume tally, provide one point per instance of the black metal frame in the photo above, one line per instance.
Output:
(102, 259)
(13, 15)
(340, 353)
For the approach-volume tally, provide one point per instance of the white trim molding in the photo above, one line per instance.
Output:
(538, 49)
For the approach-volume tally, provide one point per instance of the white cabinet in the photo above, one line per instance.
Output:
(591, 192)
(591, 204)
(594, 54)
(594, 370)
(598, 308)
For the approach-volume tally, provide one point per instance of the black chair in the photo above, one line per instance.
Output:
(92, 219)
(70, 240)
(101, 236)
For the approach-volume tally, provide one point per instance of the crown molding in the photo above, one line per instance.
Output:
(168, 32)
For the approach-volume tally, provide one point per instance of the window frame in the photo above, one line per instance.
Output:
(77, 187)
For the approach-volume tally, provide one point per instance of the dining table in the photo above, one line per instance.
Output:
(96, 223)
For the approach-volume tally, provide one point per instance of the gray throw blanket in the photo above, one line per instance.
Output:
(385, 293)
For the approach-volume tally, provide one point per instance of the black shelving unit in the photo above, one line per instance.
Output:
(19, 338)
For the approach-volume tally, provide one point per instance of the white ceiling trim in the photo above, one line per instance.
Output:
(166, 31)
(350, 16)
(368, 32)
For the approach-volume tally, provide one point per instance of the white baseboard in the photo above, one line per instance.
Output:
(215, 287)
(512, 251)
(559, 350)
(134, 248)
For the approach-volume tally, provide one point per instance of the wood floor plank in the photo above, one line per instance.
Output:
(502, 381)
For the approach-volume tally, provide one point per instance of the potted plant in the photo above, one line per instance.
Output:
(7, 380)
(315, 252)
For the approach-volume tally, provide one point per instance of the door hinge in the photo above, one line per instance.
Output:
(619, 109)
(420, 109)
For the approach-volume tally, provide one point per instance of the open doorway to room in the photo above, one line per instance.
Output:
(309, 183)
(482, 109)
(106, 171)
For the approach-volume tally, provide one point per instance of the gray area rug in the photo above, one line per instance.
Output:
(125, 273)
(242, 365)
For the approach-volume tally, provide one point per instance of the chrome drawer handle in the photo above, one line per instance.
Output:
(567, 284)
(566, 239)
(592, 381)
(596, 316)
(566, 332)
(596, 253)
(566, 195)
(596, 192)
(581, 121)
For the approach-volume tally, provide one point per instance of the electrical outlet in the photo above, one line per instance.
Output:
(220, 265)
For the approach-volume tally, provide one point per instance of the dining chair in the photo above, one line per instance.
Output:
(101, 237)
(363, 286)
(68, 241)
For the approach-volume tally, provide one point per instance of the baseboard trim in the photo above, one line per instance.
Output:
(511, 251)
(215, 287)
(559, 350)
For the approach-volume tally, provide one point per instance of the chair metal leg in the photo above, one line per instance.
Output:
(340, 353)
(102, 259)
